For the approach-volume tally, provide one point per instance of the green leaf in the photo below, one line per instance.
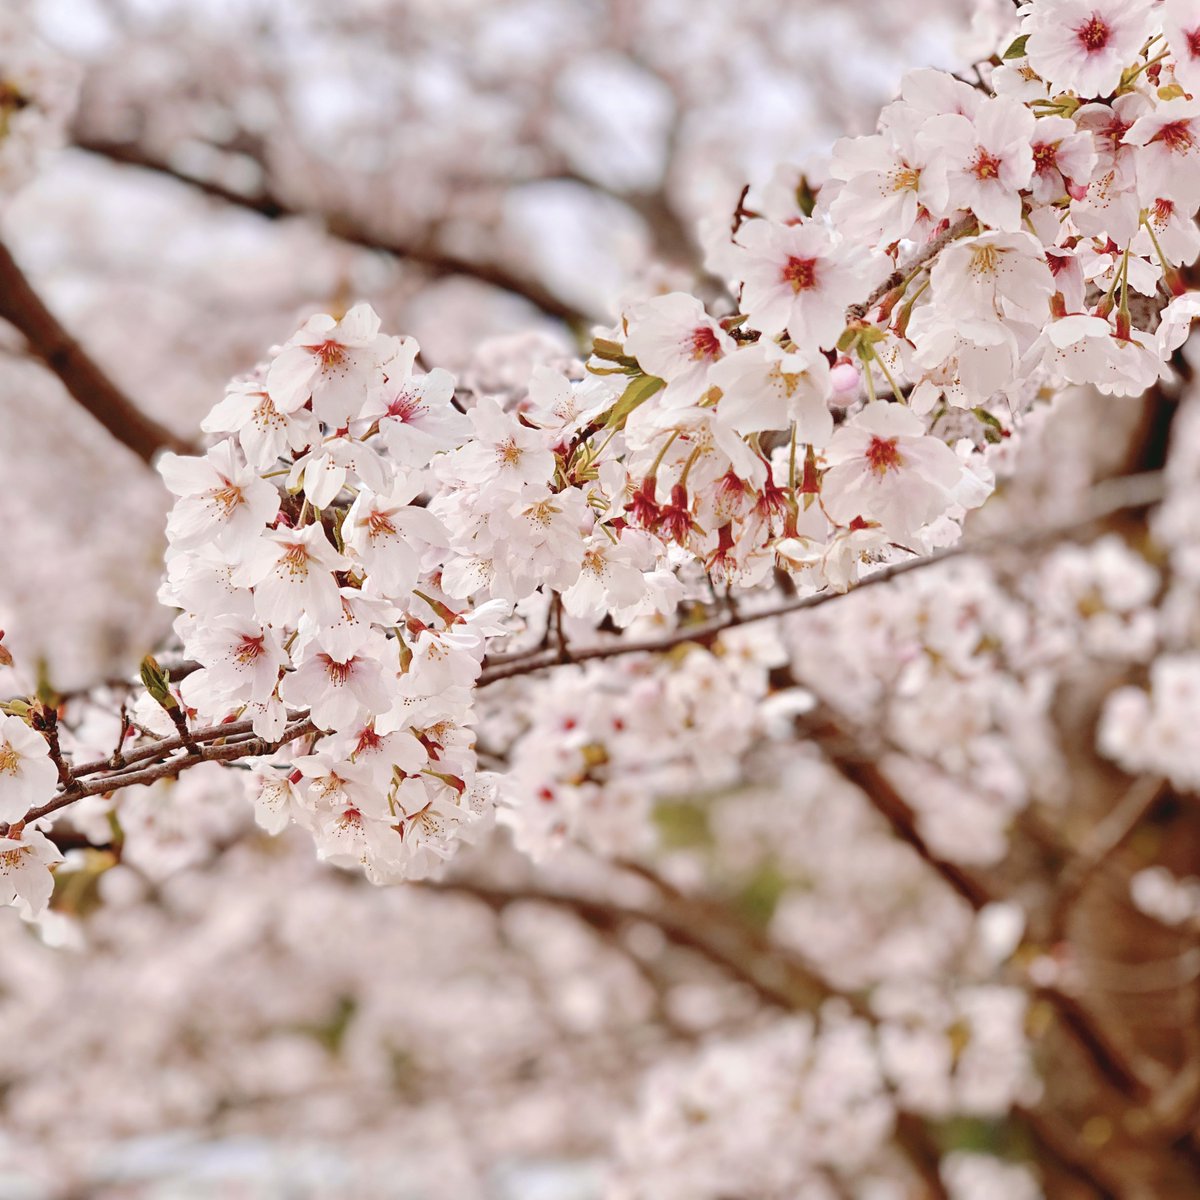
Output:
(1017, 49)
(613, 352)
(638, 392)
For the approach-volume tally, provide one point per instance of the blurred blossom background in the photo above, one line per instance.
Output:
(219, 1015)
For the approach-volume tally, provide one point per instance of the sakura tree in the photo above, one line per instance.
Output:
(783, 685)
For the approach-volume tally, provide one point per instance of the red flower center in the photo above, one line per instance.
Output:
(986, 166)
(1192, 37)
(884, 455)
(705, 343)
(1045, 157)
(801, 273)
(368, 739)
(1093, 34)
(1176, 136)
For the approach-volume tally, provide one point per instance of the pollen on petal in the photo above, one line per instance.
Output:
(801, 273)
(883, 455)
(1093, 34)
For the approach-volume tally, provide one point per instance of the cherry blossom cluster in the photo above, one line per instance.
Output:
(37, 93)
(603, 744)
(364, 537)
(313, 588)
(712, 1125)
(1154, 731)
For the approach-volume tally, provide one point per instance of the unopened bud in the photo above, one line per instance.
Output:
(155, 681)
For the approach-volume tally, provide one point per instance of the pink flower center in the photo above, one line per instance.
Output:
(985, 166)
(883, 455)
(249, 648)
(339, 672)
(330, 353)
(1093, 34)
(801, 273)
(705, 343)
(1045, 157)
(403, 407)
(1176, 136)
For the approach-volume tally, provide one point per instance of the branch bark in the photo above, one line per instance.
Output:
(346, 228)
(1105, 500)
(87, 383)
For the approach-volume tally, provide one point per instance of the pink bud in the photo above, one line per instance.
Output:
(845, 378)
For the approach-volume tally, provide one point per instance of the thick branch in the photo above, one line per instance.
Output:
(858, 765)
(21, 306)
(346, 228)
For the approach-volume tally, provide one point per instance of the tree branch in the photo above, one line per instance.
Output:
(225, 751)
(1105, 840)
(1105, 500)
(91, 388)
(345, 228)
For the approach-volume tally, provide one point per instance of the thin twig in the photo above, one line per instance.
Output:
(1105, 500)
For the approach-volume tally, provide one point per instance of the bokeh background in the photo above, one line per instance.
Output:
(216, 1014)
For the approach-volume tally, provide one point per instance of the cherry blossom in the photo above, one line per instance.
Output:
(328, 362)
(1083, 46)
(797, 278)
(27, 776)
(885, 470)
(25, 862)
(987, 159)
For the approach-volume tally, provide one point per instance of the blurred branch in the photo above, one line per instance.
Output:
(1105, 840)
(87, 383)
(859, 765)
(707, 928)
(345, 228)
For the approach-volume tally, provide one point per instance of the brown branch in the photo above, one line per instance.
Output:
(1106, 499)
(705, 926)
(345, 227)
(1105, 840)
(861, 769)
(87, 383)
(857, 764)
(226, 752)
(928, 252)
(708, 929)
(780, 983)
